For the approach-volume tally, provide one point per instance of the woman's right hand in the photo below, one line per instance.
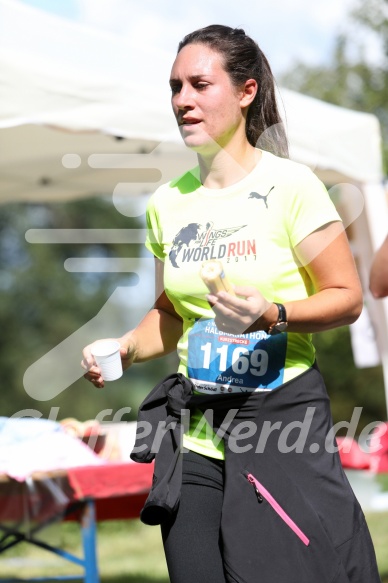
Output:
(93, 374)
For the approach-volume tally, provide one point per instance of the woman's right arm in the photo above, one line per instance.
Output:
(156, 335)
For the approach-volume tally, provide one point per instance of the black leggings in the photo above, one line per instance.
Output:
(191, 538)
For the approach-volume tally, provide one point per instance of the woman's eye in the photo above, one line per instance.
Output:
(174, 89)
(198, 86)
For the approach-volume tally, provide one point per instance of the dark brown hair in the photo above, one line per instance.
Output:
(243, 60)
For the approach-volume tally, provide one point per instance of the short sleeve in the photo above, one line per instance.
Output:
(153, 240)
(310, 207)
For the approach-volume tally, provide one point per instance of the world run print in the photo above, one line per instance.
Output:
(199, 243)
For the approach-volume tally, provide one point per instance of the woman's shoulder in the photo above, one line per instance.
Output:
(287, 167)
(185, 183)
(294, 177)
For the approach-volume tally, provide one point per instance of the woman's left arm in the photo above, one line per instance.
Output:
(325, 258)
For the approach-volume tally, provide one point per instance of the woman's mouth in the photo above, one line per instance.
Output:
(189, 121)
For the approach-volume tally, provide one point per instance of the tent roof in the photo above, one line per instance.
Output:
(66, 89)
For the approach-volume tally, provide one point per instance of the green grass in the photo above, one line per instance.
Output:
(130, 552)
(382, 479)
(127, 551)
(378, 526)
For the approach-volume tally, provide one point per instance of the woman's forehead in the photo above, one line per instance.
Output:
(195, 60)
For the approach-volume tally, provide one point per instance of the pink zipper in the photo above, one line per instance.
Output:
(261, 493)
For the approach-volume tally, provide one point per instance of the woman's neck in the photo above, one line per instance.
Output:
(227, 167)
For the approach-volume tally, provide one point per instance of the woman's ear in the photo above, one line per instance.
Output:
(248, 92)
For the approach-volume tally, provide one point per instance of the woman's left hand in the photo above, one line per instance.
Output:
(241, 313)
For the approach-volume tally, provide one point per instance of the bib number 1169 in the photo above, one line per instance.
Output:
(241, 360)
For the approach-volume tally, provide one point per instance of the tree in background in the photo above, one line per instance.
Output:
(351, 80)
(42, 304)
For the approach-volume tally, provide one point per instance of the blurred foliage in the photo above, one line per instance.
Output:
(349, 78)
(42, 304)
(349, 387)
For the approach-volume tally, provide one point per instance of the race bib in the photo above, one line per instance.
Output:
(226, 363)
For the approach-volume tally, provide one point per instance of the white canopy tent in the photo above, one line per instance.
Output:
(83, 113)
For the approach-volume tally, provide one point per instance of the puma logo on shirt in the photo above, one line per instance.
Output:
(261, 196)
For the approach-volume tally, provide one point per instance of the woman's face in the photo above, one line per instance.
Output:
(205, 103)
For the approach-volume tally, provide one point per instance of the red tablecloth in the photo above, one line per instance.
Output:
(111, 479)
(119, 490)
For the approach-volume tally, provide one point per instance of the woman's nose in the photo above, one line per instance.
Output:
(184, 99)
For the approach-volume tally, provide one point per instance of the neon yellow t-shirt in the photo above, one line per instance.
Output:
(252, 228)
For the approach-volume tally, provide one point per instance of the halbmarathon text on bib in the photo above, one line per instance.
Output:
(226, 363)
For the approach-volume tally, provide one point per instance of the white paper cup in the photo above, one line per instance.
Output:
(107, 356)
